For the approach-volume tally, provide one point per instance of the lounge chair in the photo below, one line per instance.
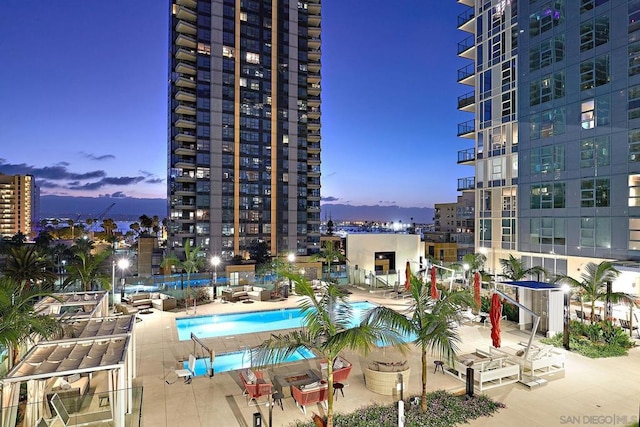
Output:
(254, 385)
(188, 373)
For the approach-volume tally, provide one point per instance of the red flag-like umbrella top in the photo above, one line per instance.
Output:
(434, 290)
(407, 271)
(476, 288)
(494, 315)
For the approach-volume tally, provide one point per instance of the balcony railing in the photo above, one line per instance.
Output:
(466, 100)
(466, 44)
(467, 155)
(467, 127)
(466, 71)
(468, 183)
(466, 16)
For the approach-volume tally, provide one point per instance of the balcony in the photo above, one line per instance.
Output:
(313, 124)
(466, 20)
(467, 75)
(466, 184)
(186, 54)
(466, 2)
(184, 81)
(188, 3)
(185, 27)
(185, 136)
(185, 150)
(314, 20)
(467, 102)
(314, 42)
(185, 109)
(313, 146)
(186, 122)
(467, 156)
(182, 12)
(186, 95)
(314, 67)
(467, 48)
(467, 129)
(313, 112)
(186, 41)
(314, 89)
(314, 54)
(313, 100)
(185, 68)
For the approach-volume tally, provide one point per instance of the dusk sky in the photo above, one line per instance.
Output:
(84, 87)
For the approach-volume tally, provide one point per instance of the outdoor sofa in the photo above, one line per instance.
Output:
(490, 370)
(157, 300)
(309, 394)
(540, 360)
(256, 293)
(382, 377)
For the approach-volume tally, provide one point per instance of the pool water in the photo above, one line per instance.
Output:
(239, 360)
(213, 326)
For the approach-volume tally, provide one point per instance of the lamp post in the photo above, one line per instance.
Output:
(123, 264)
(215, 261)
(291, 258)
(400, 389)
(566, 289)
(62, 271)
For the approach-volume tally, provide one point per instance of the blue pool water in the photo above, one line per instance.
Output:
(258, 321)
(240, 359)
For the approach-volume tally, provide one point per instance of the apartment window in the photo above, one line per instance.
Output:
(550, 15)
(634, 190)
(548, 123)
(546, 159)
(228, 52)
(548, 195)
(595, 152)
(595, 232)
(546, 53)
(594, 192)
(594, 33)
(634, 145)
(547, 231)
(587, 118)
(204, 48)
(253, 58)
(547, 88)
(509, 199)
(634, 234)
(634, 58)
(587, 5)
(485, 229)
(594, 72)
(634, 102)
(509, 230)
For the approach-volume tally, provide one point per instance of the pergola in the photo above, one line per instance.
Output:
(78, 304)
(89, 346)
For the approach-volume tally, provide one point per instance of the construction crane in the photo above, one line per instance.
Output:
(102, 215)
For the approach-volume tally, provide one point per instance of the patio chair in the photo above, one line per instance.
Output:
(625, 324)
(188, 373)
(254, 385)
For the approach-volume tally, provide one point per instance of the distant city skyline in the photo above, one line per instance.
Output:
(87, 115)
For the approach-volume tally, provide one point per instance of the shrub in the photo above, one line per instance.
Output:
(443, 409)
(602, 339)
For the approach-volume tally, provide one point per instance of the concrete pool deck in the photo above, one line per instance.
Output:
(590, 389)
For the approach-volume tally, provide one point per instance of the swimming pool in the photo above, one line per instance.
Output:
(221, 325)
(240, 359)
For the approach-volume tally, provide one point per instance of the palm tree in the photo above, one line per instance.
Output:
(514, 269)
(432, 322)
(26, 267)
(329, 254)
(18, 318)
(593, 284)
(328, 330)
(85, 268)
(194, 260)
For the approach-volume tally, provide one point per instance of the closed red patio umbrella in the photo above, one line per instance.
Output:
(494, 314)
(407, 271)
(476, 289)
(434, 289)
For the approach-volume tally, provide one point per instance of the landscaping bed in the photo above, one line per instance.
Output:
(443, 409)
(598, 340)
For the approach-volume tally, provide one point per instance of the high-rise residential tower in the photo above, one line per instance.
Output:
(18, 205)
(244, 126)
(557, 179)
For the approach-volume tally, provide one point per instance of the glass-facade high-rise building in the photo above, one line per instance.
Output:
(556, 130)
(244, 126)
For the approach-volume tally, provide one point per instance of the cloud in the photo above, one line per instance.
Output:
(155, 181)
(118, 195)
(119, 181)
(151, 178)
(56, 172)
(329, 199)
(98, 158)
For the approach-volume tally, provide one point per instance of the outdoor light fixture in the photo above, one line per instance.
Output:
(123, 264)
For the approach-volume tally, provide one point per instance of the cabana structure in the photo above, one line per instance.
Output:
(76, 304)
(545, 299)
(99, 347)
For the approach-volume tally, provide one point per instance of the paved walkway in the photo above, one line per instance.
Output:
(591, 392)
